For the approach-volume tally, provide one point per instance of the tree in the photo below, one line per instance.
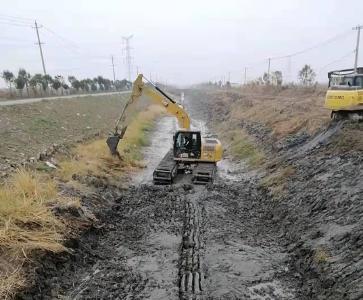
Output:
(84, 85)
(74, 82)
(56, 84)
(93, 87)
(8, 77)
(65, 86)
(306, 75)
(36, 82)
(277, 76)
(22, 73)
(60, 80)
(266, 78)
(46, 81)
(107, 84)
(19, 84)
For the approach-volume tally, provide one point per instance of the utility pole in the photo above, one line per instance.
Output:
(289, 68)
(268, 69)
(245, 81)
(40, 47)
(358, 28)
(128, 57)
(113, 69)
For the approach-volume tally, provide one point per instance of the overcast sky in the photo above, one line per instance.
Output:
(180, 42)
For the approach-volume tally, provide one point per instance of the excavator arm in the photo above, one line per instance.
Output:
(156, 96)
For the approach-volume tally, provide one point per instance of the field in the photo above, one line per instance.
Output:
(30, 130)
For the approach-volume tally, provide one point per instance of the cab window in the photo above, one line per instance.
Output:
(359, 81)
(347, 81)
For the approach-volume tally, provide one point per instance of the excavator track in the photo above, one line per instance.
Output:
(204, 173)
(354, 115)
(167, 169)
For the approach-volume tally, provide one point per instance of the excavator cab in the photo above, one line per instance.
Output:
(344, 94)
(187, 145)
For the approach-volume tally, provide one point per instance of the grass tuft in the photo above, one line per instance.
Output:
(26, 220)
(321, 256)
(242, 147)
(26, 224)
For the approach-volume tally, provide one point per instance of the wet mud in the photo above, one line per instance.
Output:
(229, 240)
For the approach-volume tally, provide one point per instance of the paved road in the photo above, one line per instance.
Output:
(32, 100)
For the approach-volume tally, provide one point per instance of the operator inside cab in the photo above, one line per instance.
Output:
(187, 145)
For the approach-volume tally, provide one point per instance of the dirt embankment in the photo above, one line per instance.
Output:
(311, 175)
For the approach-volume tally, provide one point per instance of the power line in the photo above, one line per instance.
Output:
(67, 41)
(14, 24)
(16, 17)
(326, 42)
(336, 60)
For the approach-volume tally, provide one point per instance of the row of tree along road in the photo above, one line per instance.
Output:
(24, 84)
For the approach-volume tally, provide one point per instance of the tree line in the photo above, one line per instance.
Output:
(44, 85)
(306, 77)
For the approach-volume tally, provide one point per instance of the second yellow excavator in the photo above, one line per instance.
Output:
(190, 153)
(344, 96)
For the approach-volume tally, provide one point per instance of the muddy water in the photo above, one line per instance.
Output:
(160, 142)
(217, 257)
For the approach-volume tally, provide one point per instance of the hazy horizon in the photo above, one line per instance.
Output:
(180, 42)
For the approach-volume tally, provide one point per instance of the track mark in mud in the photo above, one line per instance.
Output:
(190, 274)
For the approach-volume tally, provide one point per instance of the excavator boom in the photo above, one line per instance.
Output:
(157, 96)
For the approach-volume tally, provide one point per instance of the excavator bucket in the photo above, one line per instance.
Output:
(113, 140)
(112, 143)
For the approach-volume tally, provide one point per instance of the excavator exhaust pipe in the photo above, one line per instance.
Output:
(113, 140)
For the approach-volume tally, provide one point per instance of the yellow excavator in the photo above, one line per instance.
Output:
(190, 153)
(345, 94)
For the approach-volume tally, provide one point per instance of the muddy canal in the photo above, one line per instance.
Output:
(174, 242)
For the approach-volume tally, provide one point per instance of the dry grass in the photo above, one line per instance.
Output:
(26, 224)
(94, 158)
(10, 281)
(276, 182)
(284, 111)
(242, 146)
(321, 256)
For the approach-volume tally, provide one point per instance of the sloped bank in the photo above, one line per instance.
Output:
(85, 174)
(313, 191)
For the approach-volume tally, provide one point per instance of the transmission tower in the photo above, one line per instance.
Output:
(128, 58)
